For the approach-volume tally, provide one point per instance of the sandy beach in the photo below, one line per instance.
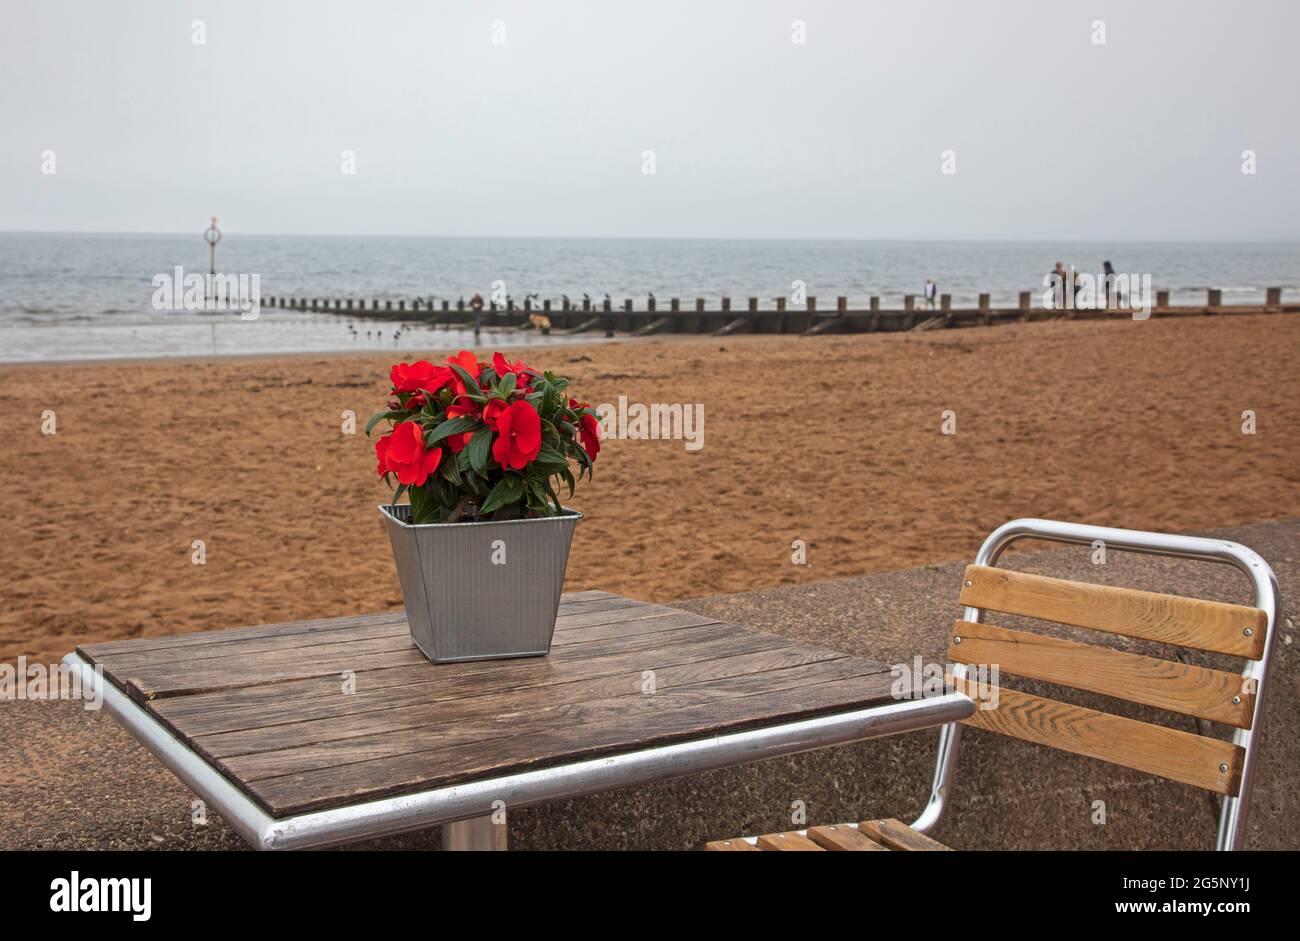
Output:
(832, 440)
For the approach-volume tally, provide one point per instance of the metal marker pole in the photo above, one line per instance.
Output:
(212, 236)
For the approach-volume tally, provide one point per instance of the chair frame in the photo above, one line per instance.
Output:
(1232, 819)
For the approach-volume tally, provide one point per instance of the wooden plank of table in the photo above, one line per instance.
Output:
(441, 707)
(573, 611)
(368, 780)
(161, 680)
(254, 707)
(574, 622)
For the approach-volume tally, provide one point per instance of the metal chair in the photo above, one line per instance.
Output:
(1236, 700)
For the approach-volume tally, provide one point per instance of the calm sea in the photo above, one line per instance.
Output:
(78, 296)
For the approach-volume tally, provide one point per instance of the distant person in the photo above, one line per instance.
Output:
(476, 305)
(1110, 290)
(1058, 276)
(931, 292)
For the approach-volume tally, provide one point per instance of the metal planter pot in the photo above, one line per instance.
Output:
(460, 604)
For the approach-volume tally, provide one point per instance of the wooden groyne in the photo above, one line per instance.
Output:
(721, 318)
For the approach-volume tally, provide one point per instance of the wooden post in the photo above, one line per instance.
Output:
(401, 305)
(985, 317)
(945, 303)
(1025, 301)
(699, 305)
(841, 305)
(726, 304)
(1274, 298)
(1215, 298)
(1162, 298)
(605, 305)
(586, 304)
(812, 304)
(675, 305)
(650, 304)
(875, 303)
(909, 302)
(546, 307)
(753, 305)
(780, 305)
(564, 305)
(627, 306)
(984, 302)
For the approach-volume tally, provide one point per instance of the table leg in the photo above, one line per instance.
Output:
(479, 833)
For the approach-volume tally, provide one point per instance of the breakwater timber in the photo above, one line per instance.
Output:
(777, 316)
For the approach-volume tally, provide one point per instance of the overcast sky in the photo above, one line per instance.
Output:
(753, 134)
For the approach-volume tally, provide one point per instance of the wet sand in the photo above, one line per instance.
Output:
(832, 440)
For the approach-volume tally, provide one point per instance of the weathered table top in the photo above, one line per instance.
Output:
(267, 706)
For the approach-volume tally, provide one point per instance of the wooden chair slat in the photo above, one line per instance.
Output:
(1165, 684)
(791, 842)
(1170, 753)
(731, 846)
(843, 837)
(1171, 619)
(897, 835)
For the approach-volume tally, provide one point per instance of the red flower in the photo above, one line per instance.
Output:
(412, 377)
(466, 361)
(590, 434)
(519, 436)
(457, 442)
(523, 372)
(492, 412)
(588, 428)
(402, 453)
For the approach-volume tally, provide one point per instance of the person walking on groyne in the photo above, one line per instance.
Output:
(931, 293)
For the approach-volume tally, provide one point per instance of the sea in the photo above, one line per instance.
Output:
(95, 296)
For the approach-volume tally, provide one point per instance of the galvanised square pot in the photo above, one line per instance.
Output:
(481, 591)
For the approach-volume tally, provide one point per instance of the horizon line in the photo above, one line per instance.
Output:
(668, 238)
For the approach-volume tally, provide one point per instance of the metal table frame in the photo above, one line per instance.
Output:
(465, 810)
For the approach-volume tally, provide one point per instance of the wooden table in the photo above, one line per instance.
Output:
(321, 732)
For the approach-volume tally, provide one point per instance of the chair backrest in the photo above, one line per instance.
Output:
(1232, 699)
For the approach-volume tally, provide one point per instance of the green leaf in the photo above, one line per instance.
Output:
(507, 384)
(567, 476)
(508, 490)
(477, 450)
(471, 387)
(424, 508)
(453, 426)
(397, 494)
(376, 418)
(550, 457)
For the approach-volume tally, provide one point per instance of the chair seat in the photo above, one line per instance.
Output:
(868, 836)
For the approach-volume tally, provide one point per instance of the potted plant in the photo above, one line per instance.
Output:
(481, 451)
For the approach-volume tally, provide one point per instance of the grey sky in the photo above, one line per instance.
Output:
(753, 135)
